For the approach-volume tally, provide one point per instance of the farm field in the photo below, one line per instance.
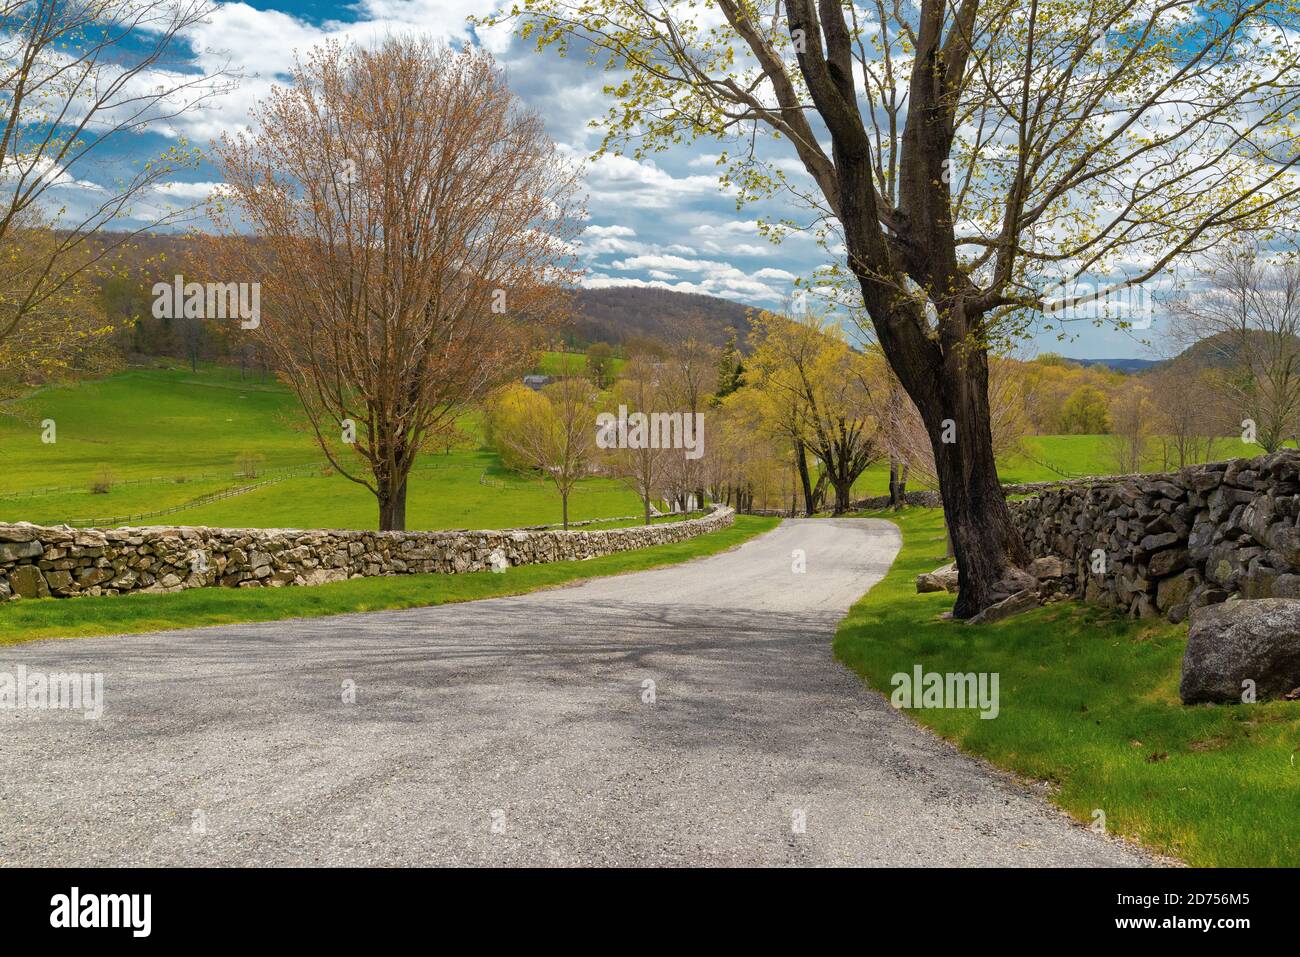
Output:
(192, 431)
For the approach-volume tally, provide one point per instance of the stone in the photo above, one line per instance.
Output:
(1239, 641)
(1013, 581)
(27, 581)
(1014, 604)
(944, 578)
(1175, 590)
(1049, 566)
(1167, 562)
(16, 551)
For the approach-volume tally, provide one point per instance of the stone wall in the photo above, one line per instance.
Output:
(37, 561)
(1176, 541)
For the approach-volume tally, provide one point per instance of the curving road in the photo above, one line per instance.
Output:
(514, 731)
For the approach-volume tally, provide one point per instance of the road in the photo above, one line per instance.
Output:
(521, 731)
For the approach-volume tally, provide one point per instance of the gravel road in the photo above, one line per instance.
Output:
(520, 731)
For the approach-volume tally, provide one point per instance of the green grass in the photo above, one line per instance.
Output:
(1089, 703)
(553, 363)
(1046, 457)
(28, 620)
(178, 424)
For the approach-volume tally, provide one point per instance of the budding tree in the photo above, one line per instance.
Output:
(76, 80)
(409, 227)
(966, 153)
(552, 431)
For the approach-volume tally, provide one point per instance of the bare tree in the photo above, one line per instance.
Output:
(410, 222)
(76, 79)
(977, 151)
(690, 375)
(1248, 316)
(643, 466)
(1188, 413)
(1132, 416)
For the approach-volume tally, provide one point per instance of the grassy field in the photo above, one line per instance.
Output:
(1048, 458)
(1089, 703)
(191, 430)
(31, 619)
(553, 363)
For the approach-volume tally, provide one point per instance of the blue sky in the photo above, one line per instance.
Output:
(664, 221)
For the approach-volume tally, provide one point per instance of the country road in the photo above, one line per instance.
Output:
(520, 731)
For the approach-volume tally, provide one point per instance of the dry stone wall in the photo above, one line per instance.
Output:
(38, 561)
(1174, 542)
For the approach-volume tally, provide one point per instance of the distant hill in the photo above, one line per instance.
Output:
(621, 315)
(1120, 365)
(1218, 351)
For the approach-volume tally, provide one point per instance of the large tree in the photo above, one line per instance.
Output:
(967, 153)
(409, 226)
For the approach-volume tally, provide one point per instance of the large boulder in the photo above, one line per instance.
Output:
(1238, 641)
(941, 579)
(1011, 605)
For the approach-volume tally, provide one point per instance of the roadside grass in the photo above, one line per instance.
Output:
(1089, 703)
(28, 619)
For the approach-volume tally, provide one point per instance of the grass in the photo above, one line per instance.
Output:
(178, 424)
(28, 620)
(1045, 457)
(554, 363)
(1089, 703)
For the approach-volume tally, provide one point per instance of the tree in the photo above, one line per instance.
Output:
(1085, 412)
(731, 369)
(689, 373)
(1188, 413)
(639, 463)
(552, 431)
(77, 79)
(1247, 314)
(600, 365)
(819, 392)
(977, 150)
(1132, 415)
(412, 258)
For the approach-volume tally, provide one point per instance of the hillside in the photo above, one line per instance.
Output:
(624, 314)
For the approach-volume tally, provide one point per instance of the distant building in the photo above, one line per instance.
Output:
(535, 382)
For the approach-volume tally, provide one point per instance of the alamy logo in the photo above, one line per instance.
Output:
(179, 299)
(655, 430)
(61, 691)
(103, 910)
(1117, 302)
(931, 689)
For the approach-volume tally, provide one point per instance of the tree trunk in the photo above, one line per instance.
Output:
(646, 502)
(843, 494)
(985, 543)
(564, 509)
(810, 503)
(392, 510)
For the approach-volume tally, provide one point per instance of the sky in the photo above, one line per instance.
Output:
(664, 221)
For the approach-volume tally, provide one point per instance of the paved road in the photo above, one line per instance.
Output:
(514, 731)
